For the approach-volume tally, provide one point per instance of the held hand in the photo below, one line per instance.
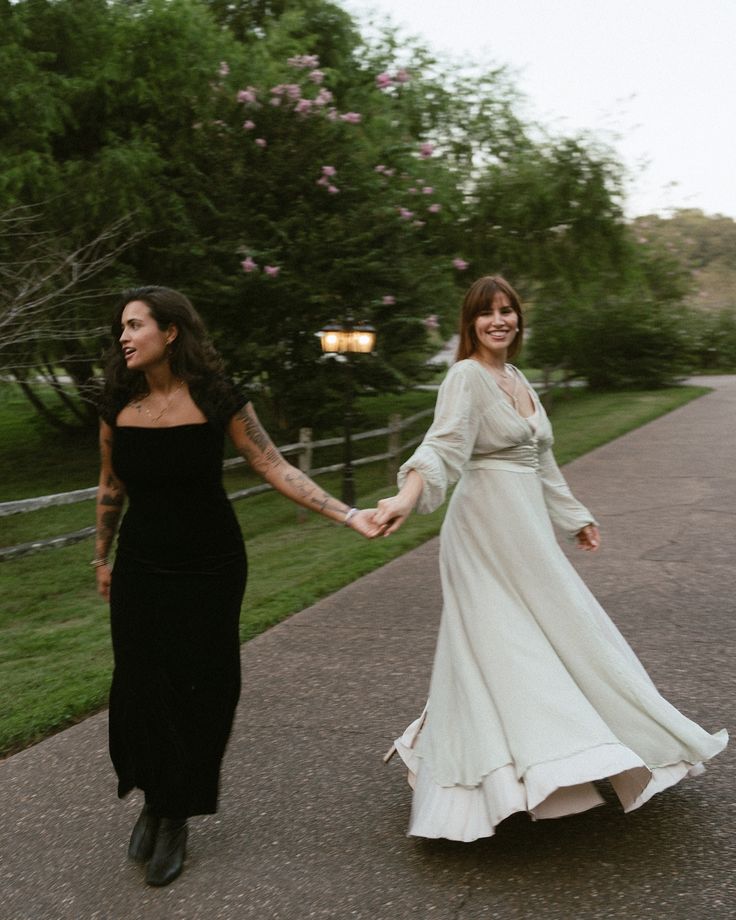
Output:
(364, 523)
(589, 538)
(391, 513)
(103, 574)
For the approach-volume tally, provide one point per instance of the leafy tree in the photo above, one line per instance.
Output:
(283, 172)
(109, 90)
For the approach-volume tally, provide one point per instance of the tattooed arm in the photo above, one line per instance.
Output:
(254, 444)
(110, 498)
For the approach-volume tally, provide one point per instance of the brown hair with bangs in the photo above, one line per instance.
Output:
(480, 297)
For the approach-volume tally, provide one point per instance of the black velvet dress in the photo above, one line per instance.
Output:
(177, 587)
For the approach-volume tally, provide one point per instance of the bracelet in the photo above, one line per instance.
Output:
(349, 516)
(96, 563)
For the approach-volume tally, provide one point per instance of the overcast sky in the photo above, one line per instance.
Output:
(655, 77)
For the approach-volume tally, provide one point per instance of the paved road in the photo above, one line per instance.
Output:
(312, 825)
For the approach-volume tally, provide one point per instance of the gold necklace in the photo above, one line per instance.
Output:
(154, 418)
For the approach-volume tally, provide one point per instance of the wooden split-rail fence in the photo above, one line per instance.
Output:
(302, 450)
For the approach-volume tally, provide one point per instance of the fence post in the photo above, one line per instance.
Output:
(394, 447)
(305, 464)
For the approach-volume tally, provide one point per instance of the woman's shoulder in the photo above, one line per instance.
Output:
(463, 384)
(467, 374)
(465, 369)
(219, 397)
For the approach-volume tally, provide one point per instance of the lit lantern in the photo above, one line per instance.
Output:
(341, 338)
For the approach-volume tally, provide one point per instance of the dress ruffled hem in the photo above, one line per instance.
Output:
(547, 790)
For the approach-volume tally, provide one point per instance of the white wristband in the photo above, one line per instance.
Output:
(349, 516)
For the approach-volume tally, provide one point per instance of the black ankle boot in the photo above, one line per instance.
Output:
(168, 854)
(143, 838)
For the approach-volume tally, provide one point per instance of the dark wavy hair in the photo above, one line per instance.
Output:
(479, 297)
(191, 354)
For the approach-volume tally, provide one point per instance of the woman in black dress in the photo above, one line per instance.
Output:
(180, 568)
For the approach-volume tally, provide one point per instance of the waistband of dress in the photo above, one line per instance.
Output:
(521, 458)
(496, 463)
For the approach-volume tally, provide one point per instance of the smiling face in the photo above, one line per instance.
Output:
(144, 345)
(495, 328)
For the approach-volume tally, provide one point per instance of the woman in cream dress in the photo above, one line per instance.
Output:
(534, 693)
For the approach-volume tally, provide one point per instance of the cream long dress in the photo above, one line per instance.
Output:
(534, 692)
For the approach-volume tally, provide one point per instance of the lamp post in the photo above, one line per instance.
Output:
(348, 338)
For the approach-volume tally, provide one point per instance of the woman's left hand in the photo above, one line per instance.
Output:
(363, 523)
(589, 538)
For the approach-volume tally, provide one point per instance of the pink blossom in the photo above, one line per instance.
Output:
(388, 300)
(332, 190)
(224, 69)
(418, 223)
(460, 264)
(247, 95)
(278, 90)
(316, 76)
(261, 142)
(384, 80)
(219, 122)
(248, 125)
(275, 100)
(402, 76)
(428, 190)
(328, 171)
(434, 208)
(332, 114)
(323, 97)
(405, 214)
(380, 168)
(293, 91)
(304, 61)
(323, 180)
(412, 191)
(426, 150)
(248, 265)
(389, 172)
(431, 322)
(352, 118)
(271, 271)
(303, 107)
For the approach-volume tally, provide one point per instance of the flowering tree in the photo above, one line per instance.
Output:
(338, 215)
(283, 172)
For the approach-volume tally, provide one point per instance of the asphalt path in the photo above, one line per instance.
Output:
(313, 825)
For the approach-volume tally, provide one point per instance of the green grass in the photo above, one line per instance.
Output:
(584, 420)
(36, 459)
(55, 657)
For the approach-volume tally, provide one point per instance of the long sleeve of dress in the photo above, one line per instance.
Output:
(564, 509)
(448, 443)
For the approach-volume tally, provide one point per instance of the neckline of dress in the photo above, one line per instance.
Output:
(161, 427)
(489, 376)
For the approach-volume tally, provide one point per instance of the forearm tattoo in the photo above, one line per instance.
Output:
(109, 503)
(110, 497)
(107, 522)
(310, 493)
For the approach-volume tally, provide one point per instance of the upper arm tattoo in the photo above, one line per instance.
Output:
(265, 458)
(260, 450)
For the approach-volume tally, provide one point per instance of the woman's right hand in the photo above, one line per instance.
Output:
(103, 573)
(392, 512)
